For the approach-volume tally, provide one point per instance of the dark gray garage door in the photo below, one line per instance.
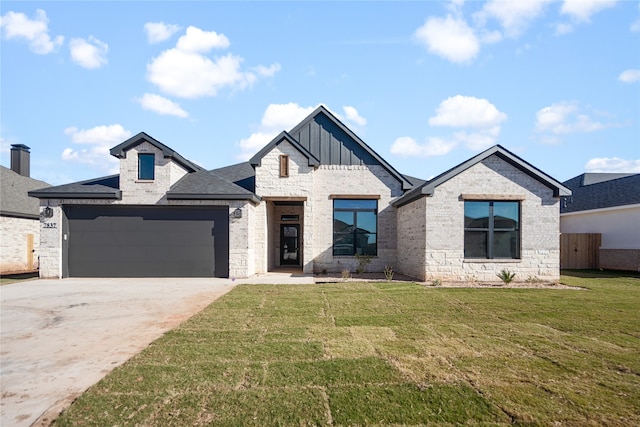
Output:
(157, 241)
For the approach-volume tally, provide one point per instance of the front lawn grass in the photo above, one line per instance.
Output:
(387, 354)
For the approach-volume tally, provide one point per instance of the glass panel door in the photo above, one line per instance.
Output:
(290, 244)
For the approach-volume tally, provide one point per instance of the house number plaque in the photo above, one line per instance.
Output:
(50, 225)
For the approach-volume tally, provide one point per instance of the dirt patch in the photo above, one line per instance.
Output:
(380, 277)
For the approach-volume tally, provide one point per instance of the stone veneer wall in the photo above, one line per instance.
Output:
(13, 244)
(444, 230)
(136, 191)
(317, 185)
(412, 229)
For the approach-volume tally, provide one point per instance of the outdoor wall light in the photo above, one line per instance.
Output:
(237, 213)
(47, 212)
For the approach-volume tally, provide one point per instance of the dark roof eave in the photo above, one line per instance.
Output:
(19, 215)
(428, 188)
(117, 195)
(194, 196)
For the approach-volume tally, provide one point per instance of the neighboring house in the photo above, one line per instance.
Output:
(608, 204)
(313, 198)
(19, 215)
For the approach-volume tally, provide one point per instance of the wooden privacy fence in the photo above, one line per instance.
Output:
(580, 250)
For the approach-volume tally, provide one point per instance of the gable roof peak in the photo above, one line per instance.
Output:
(256, 160)
(428, 188)
(120, 150)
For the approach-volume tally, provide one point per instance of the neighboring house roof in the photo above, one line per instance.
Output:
(120, 150)
(429, 187)
(207, 185)
(324, 139)
(601, 190)
(14, 200)
(107, 187)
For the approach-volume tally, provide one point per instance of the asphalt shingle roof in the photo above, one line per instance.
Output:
(601, 190)
(208, 185)
(106, 187)
(14, 200)
(242, 174)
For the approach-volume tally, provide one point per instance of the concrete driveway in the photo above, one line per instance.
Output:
(59, 337)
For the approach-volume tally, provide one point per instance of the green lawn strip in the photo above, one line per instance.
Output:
(388, 354)
(407, 404)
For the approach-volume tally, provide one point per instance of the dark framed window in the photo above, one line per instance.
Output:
(146, 166)
(284, 166)
(492, 229)
(355, 227)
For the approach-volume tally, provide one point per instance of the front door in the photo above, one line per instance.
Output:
(290, 244)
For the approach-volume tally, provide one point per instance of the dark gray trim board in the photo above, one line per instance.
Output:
(429, 187)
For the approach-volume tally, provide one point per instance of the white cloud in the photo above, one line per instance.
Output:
(276, 118)
(408, 147)
(514, 16)
(467, 111)
(479, 139)
(563, 28)
(91, 53)
(630, 76)
(249, 146)
(184, 71)
(582, 10)
(612, 164)
(450, 38)
(269, 71)
(159, 31)
(161, 105)
(477, 122)
(198, 41)
(279, 117)
(18, 26)
(98, 141)
(5, 146)
(566, 118)
(353, 116)
(189, 75)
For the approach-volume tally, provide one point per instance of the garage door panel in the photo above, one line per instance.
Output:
(130, 241)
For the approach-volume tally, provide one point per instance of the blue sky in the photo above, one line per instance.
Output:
(426, 84)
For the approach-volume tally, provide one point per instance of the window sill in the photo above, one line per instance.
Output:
(493, 261)
(145, 181)
(352, 256)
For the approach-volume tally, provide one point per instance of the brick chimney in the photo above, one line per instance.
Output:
(20, 159)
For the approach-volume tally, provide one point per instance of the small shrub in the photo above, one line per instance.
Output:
(363, 261)
(533, 279)
(388, 272)
(346, 274)
(506, 276)
(436, 282)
